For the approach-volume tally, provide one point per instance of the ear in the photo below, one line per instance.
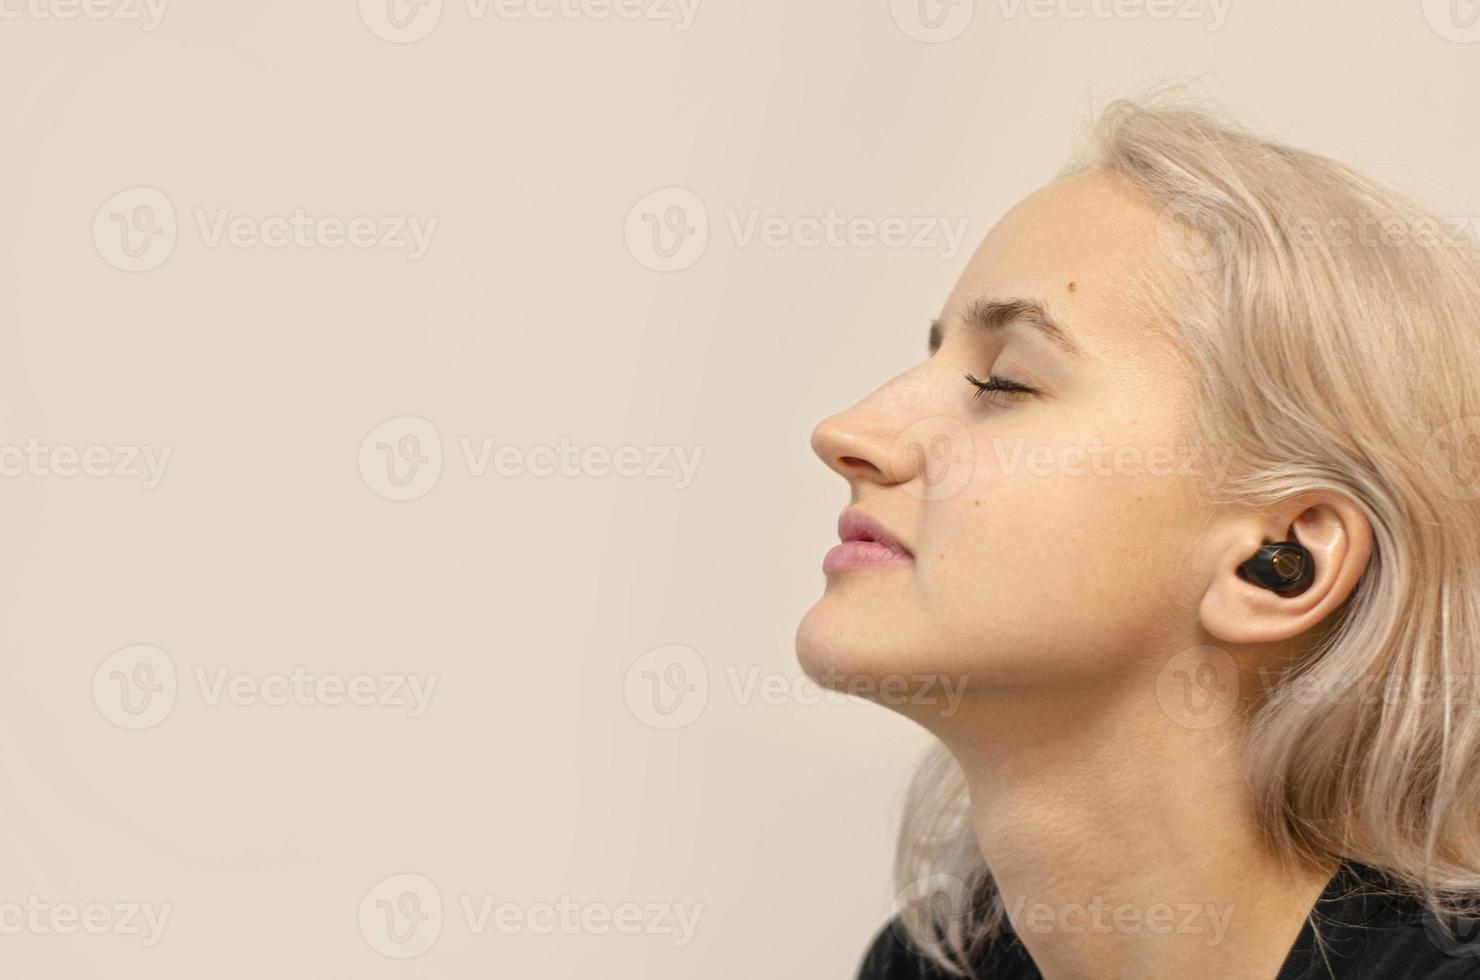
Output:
(1332, 529)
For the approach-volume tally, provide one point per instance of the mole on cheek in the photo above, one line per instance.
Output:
(1073, 286)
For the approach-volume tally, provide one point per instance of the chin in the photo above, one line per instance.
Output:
(826, 647)
(818, 642)
(856, 652)
(863, 643)
(839, 645)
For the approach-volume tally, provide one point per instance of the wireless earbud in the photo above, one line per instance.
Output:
(1284, 567)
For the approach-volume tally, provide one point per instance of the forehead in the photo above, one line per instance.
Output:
(1078, 246)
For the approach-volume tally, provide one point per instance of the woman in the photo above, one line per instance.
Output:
(1185, 503)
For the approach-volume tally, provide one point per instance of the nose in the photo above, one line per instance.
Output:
(856, 444)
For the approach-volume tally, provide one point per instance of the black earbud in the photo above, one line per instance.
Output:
(1284, 567)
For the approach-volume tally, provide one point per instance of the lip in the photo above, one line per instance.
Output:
(865, 544)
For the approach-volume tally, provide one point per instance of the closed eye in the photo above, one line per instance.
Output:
(1000, 388)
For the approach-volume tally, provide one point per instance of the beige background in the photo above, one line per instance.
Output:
(540, 767)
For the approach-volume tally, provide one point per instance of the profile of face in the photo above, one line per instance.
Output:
(1047, 513)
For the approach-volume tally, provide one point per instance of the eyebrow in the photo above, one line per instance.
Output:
(997, 314)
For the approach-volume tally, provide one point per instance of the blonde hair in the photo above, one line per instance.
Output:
(1333, 328)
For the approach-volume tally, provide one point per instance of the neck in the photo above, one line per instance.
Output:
(1122, 840)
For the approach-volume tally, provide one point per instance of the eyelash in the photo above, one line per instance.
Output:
(997, 386)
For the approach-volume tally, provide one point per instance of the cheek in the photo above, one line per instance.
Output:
(1045, 566)
(1055, 567)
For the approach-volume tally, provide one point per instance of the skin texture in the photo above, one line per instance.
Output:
(1070, 573)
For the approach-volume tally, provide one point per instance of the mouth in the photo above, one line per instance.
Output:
(865, 544)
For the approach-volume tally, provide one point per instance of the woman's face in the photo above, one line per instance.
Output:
(1052, 527)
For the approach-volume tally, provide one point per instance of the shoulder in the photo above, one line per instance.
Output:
(893, 956)
(1371, 927)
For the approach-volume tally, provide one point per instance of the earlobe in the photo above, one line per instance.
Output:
(1275, 581)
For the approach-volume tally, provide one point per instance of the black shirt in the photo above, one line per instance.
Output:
(1367, 935)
